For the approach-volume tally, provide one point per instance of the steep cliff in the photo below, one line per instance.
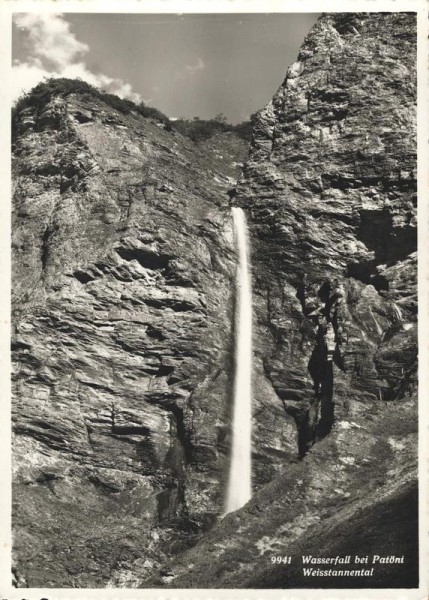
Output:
(330, 192)
(330, 186)
(123, 266)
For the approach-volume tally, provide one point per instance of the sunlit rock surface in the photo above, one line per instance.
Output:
(123, 268)
(330, 187)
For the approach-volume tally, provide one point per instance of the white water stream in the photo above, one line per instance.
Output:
(239, 484)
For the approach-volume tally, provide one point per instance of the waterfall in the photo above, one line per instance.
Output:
(239, 484)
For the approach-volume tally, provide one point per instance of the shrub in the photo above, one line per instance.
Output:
(196, 129)
(42, 93)
(152, 113)
(203, 129)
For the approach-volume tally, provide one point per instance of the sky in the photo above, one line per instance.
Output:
(186, 65)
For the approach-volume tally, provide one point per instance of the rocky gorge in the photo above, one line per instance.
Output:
(123, 312)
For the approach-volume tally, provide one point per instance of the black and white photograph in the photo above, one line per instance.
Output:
(214, 300)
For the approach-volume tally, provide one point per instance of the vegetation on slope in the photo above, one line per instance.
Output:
(196, 129)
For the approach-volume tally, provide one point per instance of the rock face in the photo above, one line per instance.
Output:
(124, 262)
(354, 494)
(123, 275)
(330, 186)
(330, 191)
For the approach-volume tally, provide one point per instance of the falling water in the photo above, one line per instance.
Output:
(239, 485)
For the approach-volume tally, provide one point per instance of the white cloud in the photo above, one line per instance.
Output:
(54, 51)
(189, 71)
(198, 66)
(50, 38)
(25, 76)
